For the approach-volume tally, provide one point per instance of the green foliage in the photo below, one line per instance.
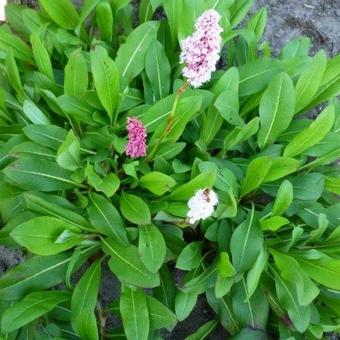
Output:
(267, 259)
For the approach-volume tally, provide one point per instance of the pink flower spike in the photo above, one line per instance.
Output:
(136, 146)
(201, 50)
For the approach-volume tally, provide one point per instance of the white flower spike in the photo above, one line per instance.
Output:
(201, 205)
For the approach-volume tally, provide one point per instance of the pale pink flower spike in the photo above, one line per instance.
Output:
(136, 146)
(201, 50)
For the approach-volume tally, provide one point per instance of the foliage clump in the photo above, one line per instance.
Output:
(109, 155)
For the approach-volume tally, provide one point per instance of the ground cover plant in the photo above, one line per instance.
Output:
(159, 146)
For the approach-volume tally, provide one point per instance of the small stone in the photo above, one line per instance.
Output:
(337, 12)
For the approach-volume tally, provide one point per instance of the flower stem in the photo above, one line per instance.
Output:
(168, 127)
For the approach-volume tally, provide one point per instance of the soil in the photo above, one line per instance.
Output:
(317, 19)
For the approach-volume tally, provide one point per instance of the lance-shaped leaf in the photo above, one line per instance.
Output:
(256, 173)
(83, 303)
(300, 315)
(106, 80)
(76, 75)
(134, 209)
(151, 247)
(313, 134)
(46, 235)
(131, 55)
(309, 82)
(184, 304)
(39, 174)
(126, 264)
(62, 12)
(68, 155)
(41, 56)
(134, 311)
(158, 70)
(160, 315)
(277, 108)
(246, 243)
(106, 219)
(157, 182)
(36, 273)
(32, 307)
(204, 180)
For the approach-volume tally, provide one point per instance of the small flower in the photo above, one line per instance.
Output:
(201, 50)
(136, 146)
(201, 205)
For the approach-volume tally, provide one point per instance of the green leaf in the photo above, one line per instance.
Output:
(157, 68)
(62, 12)
(157, 182)
(224, 266)
(87, 8)
(239, 10)
(41, 56)
(255, 272)
(277, 108)
(106, 79)
(134, 311)
(199, 284)
(241, 134)
(332, 184)
(13, 73)
(330, 85)
(256, 173)
(227, 104)
(108, 185)
(309, 82)
(41, 235)
(184, 304)
(300, 315)
(291, 271)
(313, 134)
(51, 136)
(273, 223)
(36, 273)
(284, 198)
(222, 307)
(281, 167)
(126, 264)
(131, 55)
(83, 303)
(173, 11)
(250, 311)
(204, 331)
(246, 243)
(32, 307)
(20, 49)
(190, 256)
(324, 270)
(151, 247)
(76, 108)
(41, 175)
(104, 18)
(255, 76)
(76, 75)
(106, 219)
(204, 180)
(257, 22)
(166, 291)
(68, 156)
(34, 114)
(50, 206)
(160, 315)
(134, 209)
